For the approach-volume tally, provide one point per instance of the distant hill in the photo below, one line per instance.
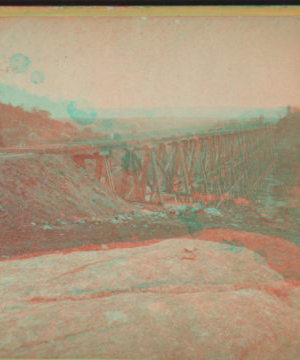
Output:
(59, 109)
(20, 126)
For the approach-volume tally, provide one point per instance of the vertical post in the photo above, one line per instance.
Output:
(215, 170)
(187, 180)
(137, 174)
(98, 170)
(107, 163)
(157, 185)
(144, 183)
(175, 166)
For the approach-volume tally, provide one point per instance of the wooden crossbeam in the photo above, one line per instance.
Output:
(253, 187)
(138, 178)
(245, 163)
(156, 184)
(202, 165)
(98, 169)
(109, 174)
(216, 170)
(194, 153)
(166, 165)
(217, 165)
(167, 174)
(188, 183)
(189, 155)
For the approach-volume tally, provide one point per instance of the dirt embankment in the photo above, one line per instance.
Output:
(19, 126)
(44, 189)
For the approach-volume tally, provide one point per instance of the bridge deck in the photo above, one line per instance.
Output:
(141, 140)
(205, 165)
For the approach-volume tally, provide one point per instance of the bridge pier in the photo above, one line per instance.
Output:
(102, 166)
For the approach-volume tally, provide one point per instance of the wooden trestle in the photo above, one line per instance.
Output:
(205, 168)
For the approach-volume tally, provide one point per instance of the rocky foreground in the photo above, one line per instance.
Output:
(218, 294)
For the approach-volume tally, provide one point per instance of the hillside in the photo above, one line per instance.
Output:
(50, 190)
(20, 126)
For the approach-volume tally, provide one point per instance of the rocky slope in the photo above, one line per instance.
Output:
(189, 298)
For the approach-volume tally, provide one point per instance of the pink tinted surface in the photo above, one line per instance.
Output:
(87, 273)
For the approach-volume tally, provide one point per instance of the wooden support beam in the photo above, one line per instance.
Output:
(216, 177)
(109, 173)
(156, 184)
(98, 168)
(245, 163)
(220, 164)
(187, 180)
(164, 165)
(136, 175)
(189, 154)
(253, 187)
(79, 159)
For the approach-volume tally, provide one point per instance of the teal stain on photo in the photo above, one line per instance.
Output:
(234, 245)
(19, 63)
(107, 123)
(260, 257)
(149, 114)
(117, 137)
(16, 97)
(189, 217)
(37, 77)
(82, 117)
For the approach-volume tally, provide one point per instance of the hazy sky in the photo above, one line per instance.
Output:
(137, 62)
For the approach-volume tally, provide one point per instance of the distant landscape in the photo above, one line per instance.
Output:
(39, 126)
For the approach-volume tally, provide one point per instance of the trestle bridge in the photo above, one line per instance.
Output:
(207, 166)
